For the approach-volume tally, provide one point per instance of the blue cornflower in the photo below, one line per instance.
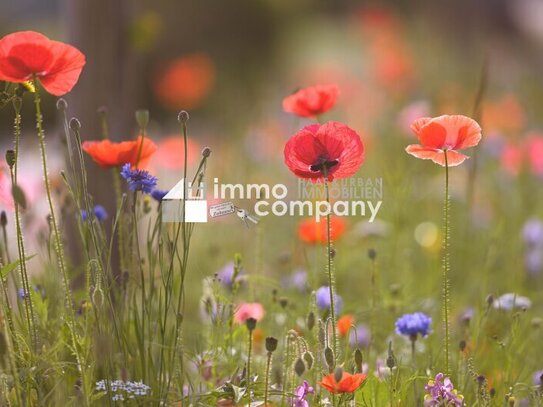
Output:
(138, 180)
(158, 194)
(99, 212)
(413, 325)
(322, 298)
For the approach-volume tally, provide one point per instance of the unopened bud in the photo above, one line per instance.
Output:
(462, 345)
(3, 219)
(329, 357)
(62, 105)
(299, 367)
(251, 324)
(17, 103)
(310, 320)
(372, 254)
(75, 124)
(206, 152)
(10, 158)
(309, 359)
(142, 118)
(283, 302)
(183, 116)
(358, 360)
(338, 374)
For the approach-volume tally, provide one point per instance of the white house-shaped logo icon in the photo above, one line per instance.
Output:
(195, 205)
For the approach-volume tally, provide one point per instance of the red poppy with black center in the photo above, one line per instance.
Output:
(26, 54)
(348, 383)
(331, 150)
(108, 154)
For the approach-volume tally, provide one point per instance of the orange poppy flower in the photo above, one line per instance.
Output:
(344, 324)
(313, 232)
(444, 133)
(108, 154)
(348, 383)
(185, 82)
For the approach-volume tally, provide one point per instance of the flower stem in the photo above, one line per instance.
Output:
(446, 265)
(266, 387)
(249, 355)
(329, 270)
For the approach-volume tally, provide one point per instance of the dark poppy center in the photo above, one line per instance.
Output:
(323, 164)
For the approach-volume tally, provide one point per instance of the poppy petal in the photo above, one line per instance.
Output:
(460, 132)
(64, 73)
(454, 158)
(22, 54)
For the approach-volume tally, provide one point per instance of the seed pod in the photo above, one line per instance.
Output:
(299, 367)
(10, 158)
(183, 116)
(206, 152)
(3, 219)
(271, 344)
(251, 324)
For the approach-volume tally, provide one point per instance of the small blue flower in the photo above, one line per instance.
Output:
(322, 298)
(99, 212)
(413, 325)
(158, 194)
(138, 180)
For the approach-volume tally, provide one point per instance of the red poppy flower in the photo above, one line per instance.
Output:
(312, 232)
(442, 133)
(529, 152)
(311, 101)
(344, 324)
(348, 383)
(185, 82)
(26, 53)
(332, 148)
(170, 152)
(109, 154)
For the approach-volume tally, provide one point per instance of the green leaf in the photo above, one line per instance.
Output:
(18, 196)
(8, 268)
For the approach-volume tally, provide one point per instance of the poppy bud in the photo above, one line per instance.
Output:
(489, 300)
(321, 334)
(271, 344)
(358, 360)
(481, 380)
(75, 124)
(3, 219)
(283, 302)
(10, 158)
(183, 116)
(206, 152)
(372, 254)
(310, 320)
(251, 324)
(391, 360)
(309, 359)
(62, 105)
(142, 118)
(492, 392)
(329, 357)
(462, 345)
(338, 374)
(299, 367)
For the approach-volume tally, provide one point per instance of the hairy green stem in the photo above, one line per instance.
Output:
(446, 266)
(329, 270)
(267, 380)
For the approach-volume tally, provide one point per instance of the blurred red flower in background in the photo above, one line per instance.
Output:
(108, 154)
(185, 82)
(442, 133)
(333, 150)
(249, 310)
(311, 101)
(313, 232)
(171, 152)
(27, 53)
(348, 383)
(529, 152)
(344, 324)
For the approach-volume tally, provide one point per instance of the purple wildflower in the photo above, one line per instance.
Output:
(138, 180)
(226, 275)
(532, 232)
(99, 212)
(297, 280)
(301, 393)
(511, 301)
(158, 194)
(538, 378)
(322, 298)
(413, 325)
(362, 337)
(441, 392)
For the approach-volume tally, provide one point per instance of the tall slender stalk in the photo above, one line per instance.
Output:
(446, 265)
(329, 269)
(29, 306)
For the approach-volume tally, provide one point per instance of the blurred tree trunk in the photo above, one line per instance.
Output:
(110, 79)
